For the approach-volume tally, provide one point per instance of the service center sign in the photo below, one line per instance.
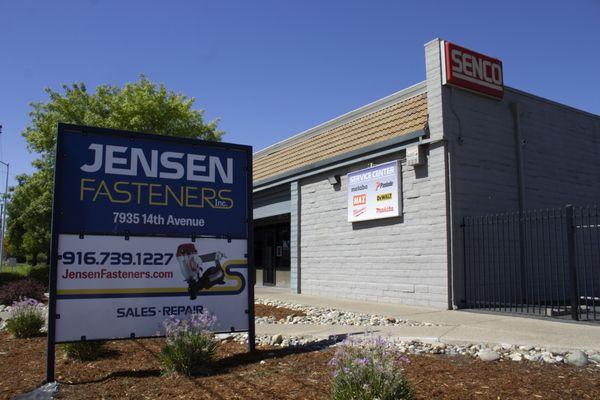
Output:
(374, 192)
(471, 70)
(147, 227)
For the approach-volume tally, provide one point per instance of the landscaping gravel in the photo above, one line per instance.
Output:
(331, 316)
(505, 352)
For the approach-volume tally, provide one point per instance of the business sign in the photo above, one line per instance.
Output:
(116, 185)
(120, 287)
(374, 192)
(146, 227)
(471, 70)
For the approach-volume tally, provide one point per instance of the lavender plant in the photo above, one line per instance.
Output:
(369, 368)
(190, 345)
(26, 318)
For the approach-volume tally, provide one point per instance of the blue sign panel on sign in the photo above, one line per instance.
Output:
(116, 184)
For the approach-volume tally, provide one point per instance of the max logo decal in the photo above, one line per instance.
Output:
(359, 200)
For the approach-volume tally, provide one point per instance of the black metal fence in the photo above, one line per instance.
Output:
(545, 262)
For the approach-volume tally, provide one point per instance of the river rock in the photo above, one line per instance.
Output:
(516, 357)
(276, 339)
(488, 355)
(577, 358)
(595, 358)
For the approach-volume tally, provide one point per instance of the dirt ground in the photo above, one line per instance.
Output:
(261, 310)
(131, 370)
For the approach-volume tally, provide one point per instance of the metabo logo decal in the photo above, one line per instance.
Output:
(359, 188)
(382, 185)
(384, 197)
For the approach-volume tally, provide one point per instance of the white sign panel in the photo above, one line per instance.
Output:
(374, 192)
(127, 287)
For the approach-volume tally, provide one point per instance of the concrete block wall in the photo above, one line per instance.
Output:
(560, 155)
(295, 281)
(399, 260)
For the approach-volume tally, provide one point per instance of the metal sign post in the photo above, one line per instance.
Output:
(146, 227)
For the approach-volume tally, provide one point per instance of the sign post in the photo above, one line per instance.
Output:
(145, 227)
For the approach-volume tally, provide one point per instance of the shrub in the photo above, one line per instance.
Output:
(190, 345)
(42, 259)
(23, 288)
(8, 276)
(369, 368)
(41, 274)
(26, 318)
(85, 351)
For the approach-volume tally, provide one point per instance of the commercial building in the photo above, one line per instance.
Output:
(465, 143)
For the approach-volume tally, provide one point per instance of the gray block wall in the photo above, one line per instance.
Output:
(560, 152)
(397, 260)
(295, 279)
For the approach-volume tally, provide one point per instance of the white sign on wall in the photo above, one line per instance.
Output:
(374, 192)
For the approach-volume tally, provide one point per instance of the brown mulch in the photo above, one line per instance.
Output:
(131, 370)
(261, 310)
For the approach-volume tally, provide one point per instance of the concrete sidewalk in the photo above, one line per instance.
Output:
(455, 327)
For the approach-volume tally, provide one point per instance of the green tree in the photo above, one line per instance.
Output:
(142, 106)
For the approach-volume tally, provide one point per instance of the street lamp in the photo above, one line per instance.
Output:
(3, 222)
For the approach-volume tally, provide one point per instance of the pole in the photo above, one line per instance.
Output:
(572, 262)
(3, 227)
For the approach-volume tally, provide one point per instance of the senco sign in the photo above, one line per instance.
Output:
(471, 70)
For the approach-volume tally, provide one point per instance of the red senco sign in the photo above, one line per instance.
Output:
(471, 70)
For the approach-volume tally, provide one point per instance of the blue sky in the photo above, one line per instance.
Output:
(270, 69)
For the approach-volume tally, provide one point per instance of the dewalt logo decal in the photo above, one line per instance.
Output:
(384, 197)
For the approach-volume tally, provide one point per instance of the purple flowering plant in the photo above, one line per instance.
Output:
(197, 323)
(26, 318)
(190, 343)
(370, 367)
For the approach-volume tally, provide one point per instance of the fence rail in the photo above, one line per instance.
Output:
(544, 262)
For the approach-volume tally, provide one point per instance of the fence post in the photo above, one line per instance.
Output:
(572, 261)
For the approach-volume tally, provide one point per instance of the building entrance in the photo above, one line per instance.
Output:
(272, 251)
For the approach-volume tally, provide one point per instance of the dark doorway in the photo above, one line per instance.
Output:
(272, 250)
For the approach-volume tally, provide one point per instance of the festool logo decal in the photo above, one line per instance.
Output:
(381, 185)
(384, 197)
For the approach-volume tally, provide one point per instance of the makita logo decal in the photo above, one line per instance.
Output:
(386, 209)
(382, 185)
